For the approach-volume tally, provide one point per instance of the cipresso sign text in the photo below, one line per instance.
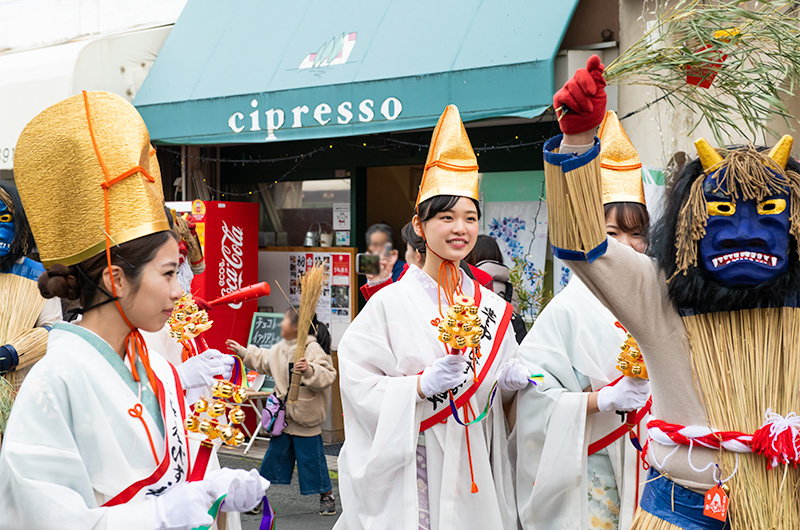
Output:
(273, 119)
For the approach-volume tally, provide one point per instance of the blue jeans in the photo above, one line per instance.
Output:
(312, 468)
(676, 505)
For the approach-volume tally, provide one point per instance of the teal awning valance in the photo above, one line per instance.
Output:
(252, 71)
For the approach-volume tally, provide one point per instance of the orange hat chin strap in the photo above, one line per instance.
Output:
(134, 342)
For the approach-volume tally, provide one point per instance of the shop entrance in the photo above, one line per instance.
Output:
(391, 194)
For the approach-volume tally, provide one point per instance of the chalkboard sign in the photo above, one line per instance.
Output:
(265, 331)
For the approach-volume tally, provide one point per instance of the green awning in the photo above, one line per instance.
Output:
(251, 71)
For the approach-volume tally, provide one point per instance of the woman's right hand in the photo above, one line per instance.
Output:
(235, 347)
(444, 374)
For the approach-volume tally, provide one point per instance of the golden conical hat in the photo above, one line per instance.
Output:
(620, 167)
(65, 159)
(451, 168)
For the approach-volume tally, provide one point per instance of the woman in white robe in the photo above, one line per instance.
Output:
(96, 438)
(89, 446)
(574, 343)
(406, 462)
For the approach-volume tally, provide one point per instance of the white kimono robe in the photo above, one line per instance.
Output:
(160, 343)
(387, 345)
(575, 344)
(71, 444)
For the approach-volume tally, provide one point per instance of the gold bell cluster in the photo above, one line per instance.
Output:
(207, 417)
(461, 327)
(630, 361)
(187, 320)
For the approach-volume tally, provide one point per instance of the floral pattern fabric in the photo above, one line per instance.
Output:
(422, 489)
(604, 501)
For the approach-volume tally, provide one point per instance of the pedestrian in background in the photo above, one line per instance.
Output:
(301, 439)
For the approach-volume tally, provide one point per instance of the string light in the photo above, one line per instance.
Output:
(385, 142)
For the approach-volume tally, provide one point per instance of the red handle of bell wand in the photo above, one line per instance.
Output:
(243, 295)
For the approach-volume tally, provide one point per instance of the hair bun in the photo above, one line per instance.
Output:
(60, 281)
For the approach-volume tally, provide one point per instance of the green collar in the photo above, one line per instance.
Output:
(149, 399)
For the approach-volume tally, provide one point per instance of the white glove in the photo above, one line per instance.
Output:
(200, 370)
(629, 394)
(513, 376)
(184, 506)
(245, 492)
(244, 489)
(445, 373)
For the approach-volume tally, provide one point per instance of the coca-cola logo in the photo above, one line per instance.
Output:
(230, 266)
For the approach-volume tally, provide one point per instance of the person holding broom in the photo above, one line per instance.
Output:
(301, 438)
(96, 438)
(25, 317)
(426, 443)
(715, 309)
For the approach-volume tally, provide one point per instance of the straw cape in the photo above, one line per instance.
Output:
(738, 386)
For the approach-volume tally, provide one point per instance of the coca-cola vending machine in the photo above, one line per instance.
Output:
(228, 233)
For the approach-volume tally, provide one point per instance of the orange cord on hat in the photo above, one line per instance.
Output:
(134, 342)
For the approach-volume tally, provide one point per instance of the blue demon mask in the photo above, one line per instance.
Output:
(747, 241)
(7, 229)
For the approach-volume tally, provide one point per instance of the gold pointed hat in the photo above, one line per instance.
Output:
(620, 167)
(73, 154)
(451, 168)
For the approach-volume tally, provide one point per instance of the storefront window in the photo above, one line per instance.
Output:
(299, 207)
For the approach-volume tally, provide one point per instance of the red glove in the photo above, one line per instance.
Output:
(581, 103)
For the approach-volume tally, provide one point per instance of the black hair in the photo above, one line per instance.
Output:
(441, 203)
(82, 281)
(631, 217)
(317, 328)
(486, 249)
(696, 290)
(411, 238)
(23, 238)
(170, 220)
(379, 227)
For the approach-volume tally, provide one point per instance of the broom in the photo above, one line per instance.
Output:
(23, 303)
(7, 394)
(746, 362)
(744, 57)
(311, 288)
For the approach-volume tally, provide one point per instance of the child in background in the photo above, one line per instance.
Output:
(301, 439)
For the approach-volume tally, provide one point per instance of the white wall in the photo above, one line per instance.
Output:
(33, 23)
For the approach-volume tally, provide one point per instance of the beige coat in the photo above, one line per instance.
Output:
(305, 417)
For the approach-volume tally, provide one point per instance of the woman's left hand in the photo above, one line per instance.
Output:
(199, 371)
(513, 376)
(301, 366)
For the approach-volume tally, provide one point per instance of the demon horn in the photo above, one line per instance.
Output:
(780, 152)
(708, 155)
